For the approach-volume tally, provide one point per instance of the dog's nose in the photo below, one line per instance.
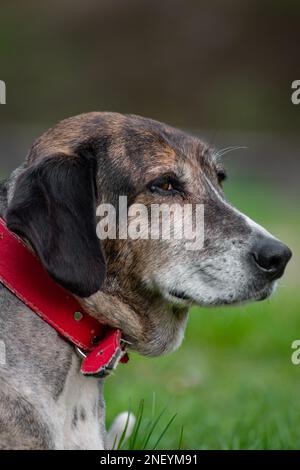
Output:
(271, 256)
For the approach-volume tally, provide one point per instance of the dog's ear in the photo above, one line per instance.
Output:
(54, 207)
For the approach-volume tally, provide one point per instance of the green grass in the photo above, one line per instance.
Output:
(232, 384)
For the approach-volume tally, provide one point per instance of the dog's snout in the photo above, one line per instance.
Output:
(271, 256)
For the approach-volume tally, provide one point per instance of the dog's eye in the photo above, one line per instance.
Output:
(165, 186)
(221, 174)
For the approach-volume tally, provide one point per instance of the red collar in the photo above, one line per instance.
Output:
(101, 347)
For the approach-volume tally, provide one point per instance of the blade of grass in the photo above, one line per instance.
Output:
(153, 405)
(115, 442)
(137, 425)
(153, 428)
(164, 431)
(180, 438)
(124, 432)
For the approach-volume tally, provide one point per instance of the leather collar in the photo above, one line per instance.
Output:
(100, 346)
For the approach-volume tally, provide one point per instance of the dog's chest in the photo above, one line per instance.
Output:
(79, 416)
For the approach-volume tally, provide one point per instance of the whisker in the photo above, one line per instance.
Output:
(220, 153)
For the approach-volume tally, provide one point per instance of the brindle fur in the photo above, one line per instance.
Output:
(44, 398)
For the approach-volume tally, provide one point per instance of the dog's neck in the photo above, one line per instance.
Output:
(130, 311)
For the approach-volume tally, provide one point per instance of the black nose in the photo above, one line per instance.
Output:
(271, 256)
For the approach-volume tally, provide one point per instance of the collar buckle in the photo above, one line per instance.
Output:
(104, 357)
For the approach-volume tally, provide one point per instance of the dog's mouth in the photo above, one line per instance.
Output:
(180, 296)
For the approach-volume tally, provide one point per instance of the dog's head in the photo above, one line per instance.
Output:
(143, 285)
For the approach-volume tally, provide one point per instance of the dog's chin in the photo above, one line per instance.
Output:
(185, 299)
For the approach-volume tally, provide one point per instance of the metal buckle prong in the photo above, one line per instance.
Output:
(124, 342)
(80, 353)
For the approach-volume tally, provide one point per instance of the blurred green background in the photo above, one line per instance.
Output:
(222, 70)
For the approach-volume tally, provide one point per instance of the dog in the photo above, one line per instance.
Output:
(142, 287)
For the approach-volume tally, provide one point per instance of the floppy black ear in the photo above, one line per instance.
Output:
(54, 207)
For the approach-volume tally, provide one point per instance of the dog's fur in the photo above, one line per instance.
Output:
(143, 287)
